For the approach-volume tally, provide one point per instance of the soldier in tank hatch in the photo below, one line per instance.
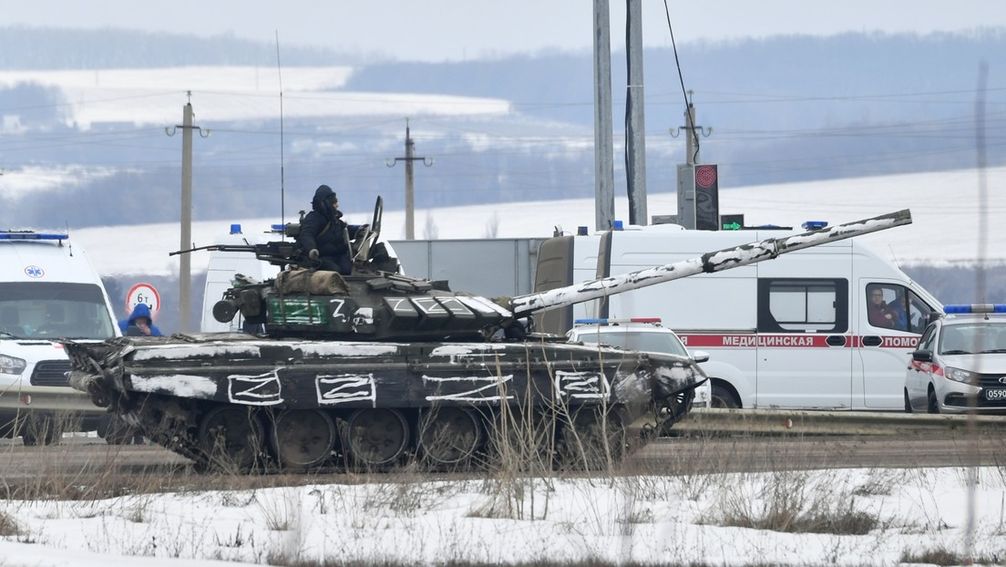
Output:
(323, 233)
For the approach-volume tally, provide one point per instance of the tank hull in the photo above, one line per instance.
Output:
(185, 394)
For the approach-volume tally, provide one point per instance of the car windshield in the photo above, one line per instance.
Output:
(636, 340)
(48, 310)
(974, 338)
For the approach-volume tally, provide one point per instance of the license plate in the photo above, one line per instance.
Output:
(995, 395)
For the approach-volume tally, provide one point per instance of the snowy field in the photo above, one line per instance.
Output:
(884, 516)
(944, 207)
(155, 96)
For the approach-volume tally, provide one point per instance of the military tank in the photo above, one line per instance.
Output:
(374, 368)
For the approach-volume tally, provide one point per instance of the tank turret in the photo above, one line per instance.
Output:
(374, 368)
(372, 304)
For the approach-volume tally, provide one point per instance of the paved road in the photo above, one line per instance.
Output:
(82, 465)
(746, 454)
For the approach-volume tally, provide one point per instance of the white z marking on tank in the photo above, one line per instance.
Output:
(581, 385)
(260, 390)
(342, 388)
(491, 384)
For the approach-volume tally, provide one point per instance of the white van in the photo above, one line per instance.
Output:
(48, 290)
(793, 332)
(222, 268)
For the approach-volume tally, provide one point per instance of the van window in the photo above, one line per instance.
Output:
(48, 310)
(819, 305)
(893, 306)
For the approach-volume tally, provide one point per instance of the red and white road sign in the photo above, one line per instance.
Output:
(143, 293)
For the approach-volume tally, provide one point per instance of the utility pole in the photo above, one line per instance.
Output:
(692, 141)
(410, 207)
(698, 203)
(185, 240)
(604, 174)
(635, 154)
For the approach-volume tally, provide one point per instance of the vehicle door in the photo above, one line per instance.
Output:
(803, 326)
(917, 374)
(890, 321)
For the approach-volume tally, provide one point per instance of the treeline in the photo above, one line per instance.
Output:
(21, 48)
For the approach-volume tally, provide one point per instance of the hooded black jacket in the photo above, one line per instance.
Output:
(324, 230)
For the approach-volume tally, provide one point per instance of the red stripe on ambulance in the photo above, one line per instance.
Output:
(748, 340)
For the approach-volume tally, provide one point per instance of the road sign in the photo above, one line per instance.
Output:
(143, 293)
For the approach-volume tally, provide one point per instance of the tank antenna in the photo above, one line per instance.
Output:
(282, 176)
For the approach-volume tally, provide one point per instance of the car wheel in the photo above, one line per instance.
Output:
(934, 404)
(724, 398)
(908, 404)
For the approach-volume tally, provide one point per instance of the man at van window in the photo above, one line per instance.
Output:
(323, 233)
(139, 323)
(879, 312)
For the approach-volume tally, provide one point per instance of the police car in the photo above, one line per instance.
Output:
(48, 291)
(960, 361)
(642, 334)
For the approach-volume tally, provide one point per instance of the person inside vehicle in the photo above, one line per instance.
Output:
(323, 233)
(898, 308)
(879, 312)
(139, 323)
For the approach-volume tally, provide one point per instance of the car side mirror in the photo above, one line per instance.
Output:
(922, 356)
(700, 356)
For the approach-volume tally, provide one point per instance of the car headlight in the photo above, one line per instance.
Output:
(961, 375)
(11, 365)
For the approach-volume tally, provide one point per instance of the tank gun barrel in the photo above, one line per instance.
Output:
(277, 253)
(710, 262)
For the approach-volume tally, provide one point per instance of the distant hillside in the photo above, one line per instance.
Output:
(111, 48)
(782, 109)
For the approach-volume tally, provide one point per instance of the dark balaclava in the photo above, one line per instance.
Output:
(322, 201)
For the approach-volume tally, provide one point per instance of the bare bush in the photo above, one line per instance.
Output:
(9, 525)
(943, 556)
(790, 502)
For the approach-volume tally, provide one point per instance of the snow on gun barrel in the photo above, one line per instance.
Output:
(707, 263)
(382, 367)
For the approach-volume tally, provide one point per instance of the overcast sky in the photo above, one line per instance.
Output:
(434, 30)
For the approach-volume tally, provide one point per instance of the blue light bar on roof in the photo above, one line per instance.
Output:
(5, 235)
(277, 227)
(814, 225)
(975, 308)
(603, 321)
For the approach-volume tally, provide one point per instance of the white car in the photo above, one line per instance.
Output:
(960, 360)
(645, 335)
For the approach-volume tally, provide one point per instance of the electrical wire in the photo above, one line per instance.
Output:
(681, 79)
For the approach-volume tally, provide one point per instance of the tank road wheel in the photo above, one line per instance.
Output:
(231, 438)
(592, 441)
(376, 437)
(302, 439)
(449, 436)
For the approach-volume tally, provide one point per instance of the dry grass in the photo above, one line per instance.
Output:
(9, 525)
(280, 560)
(944, 556)
(789, 502)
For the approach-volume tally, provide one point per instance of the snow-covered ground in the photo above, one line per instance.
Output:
(651, 519)
(944, 207)
(144, 96)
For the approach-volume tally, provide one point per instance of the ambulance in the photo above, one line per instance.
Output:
(223, 267)
(48, 291)
(805, 330)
